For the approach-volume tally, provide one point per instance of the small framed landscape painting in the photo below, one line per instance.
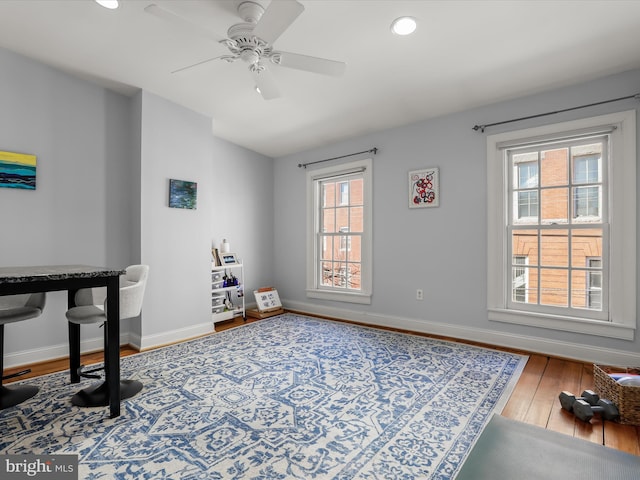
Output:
(183, 194)
(424, 188)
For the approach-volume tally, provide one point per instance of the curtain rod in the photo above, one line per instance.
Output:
(374, 150)
(482, 127)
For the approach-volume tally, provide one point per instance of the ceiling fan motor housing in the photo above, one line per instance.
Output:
(244, 45)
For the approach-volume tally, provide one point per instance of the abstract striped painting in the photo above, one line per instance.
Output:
(17, 170)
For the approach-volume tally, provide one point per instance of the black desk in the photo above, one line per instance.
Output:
(17, 280)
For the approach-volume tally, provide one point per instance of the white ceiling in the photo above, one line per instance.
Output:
(464, 54)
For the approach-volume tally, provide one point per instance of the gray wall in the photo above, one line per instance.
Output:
(243, 210)
(440, 250)
(175, 243)
(104, 162)
(235, 194)
(80, 211)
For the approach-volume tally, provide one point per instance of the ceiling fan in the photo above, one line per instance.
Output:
(252, 42)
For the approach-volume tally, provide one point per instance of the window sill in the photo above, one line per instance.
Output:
(565, 324)
(361, 298)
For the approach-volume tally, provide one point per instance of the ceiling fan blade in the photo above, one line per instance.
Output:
(309, 64)
(276, 19)
(266, 84)
(182, 69)
(182, 22)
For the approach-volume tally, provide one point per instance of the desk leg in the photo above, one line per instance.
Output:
(74, 352)
(74, 341)
(112, 355)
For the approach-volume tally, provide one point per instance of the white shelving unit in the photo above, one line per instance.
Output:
(220, 293)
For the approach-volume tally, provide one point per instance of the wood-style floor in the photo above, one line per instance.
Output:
(534, 400)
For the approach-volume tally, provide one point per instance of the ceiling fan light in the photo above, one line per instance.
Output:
(110, 4)
(404, 25)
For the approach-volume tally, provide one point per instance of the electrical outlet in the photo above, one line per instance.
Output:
(419, 294)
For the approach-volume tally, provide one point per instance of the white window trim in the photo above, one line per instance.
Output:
(622, 194)
(313, 290)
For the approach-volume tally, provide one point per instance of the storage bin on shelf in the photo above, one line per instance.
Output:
(216, 276)
(625, 397)
(217, 300)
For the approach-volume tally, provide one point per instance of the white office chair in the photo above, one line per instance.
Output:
(14, 308)
(90, 307)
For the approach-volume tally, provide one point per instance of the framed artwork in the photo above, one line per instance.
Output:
(17, 170)
(267, 299)
(183, 194)
(424, 188)
(228, 258)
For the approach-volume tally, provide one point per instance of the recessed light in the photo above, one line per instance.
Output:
(404, 25)
(110, 4)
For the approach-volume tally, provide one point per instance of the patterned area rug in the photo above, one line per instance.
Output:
(291, 397)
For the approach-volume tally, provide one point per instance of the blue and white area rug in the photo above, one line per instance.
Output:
(291, 397)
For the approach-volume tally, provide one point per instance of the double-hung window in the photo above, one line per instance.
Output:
(557, 221)
(561, 203)
(339, 232)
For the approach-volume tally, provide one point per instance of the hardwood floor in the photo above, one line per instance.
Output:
(534, 399)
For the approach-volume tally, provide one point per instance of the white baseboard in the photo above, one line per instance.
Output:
(584, 353)
(173, 336)
(28, 357)
(44, 354)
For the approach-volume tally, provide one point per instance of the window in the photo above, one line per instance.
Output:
(339, 232)
(562, 226)
(556, 243)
